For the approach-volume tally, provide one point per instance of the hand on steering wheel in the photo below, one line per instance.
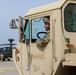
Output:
(40, 33)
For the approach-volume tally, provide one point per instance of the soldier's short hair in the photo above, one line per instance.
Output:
(46, 19)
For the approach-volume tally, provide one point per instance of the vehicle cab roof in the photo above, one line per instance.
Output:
(47, 7)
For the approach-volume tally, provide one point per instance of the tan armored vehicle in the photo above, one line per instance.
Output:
(58, 57)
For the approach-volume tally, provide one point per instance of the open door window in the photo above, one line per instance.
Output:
(38, 30)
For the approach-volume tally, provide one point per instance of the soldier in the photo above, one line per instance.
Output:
(46, 39)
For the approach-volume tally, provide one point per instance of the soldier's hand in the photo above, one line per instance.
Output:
(43, 44)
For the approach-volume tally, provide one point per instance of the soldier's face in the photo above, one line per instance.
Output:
(47, 26)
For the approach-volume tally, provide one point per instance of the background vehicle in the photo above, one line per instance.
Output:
(6, 50)
(59, 56)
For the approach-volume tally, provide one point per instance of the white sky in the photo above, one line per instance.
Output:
(12, 9)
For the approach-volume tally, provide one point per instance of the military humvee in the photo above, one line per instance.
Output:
(58, 57)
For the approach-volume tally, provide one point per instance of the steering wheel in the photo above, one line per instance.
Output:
(40, 33)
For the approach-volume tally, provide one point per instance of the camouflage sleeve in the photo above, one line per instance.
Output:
(44, 41)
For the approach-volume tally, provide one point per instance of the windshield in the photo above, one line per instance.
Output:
(27, 31)
(24, 30)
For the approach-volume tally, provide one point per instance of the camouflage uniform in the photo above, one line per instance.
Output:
(43, 41)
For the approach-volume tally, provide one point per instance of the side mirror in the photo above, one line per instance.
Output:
(13, 24)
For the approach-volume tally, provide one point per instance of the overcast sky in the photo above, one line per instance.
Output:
(12, 9)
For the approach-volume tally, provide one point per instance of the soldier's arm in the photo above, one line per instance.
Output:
(44, 41)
